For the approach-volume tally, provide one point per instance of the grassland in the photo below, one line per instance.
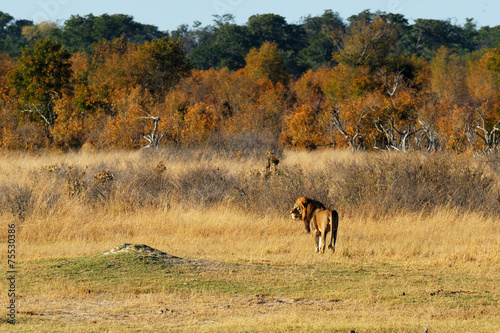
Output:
(419, 242)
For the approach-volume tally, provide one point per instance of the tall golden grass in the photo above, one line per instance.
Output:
(412, 208)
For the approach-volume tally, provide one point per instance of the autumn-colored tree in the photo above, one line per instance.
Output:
(352, 100)
(201, 120)
(309, 124)
(267, 62)
(41, 75)
(71, 127)
(6, 65)
(483, 79)
(306, 127)
(448, 78)
(156, 66)
(309, 88)
(44, 29)
(239, 105)
(125, 129)
(9, 121)
(79, 109)
(202, 88)
(397, 116)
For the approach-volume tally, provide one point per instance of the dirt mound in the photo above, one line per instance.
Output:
(140, 249)
(143, 250)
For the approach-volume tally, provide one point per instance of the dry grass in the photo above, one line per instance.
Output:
(443, 237)
(58, 200)
(207, 206)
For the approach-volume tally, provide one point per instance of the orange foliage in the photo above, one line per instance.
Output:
(309, 88)
(200, 121)
(267, 62)
(370, 99)
(304, 128)
(448, 76)
(125, 129)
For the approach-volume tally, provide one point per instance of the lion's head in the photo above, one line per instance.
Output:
(299, 208)
(304, 209)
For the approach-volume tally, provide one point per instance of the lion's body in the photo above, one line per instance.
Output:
(317, 219)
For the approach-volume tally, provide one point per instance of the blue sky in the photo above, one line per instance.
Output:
(168, 15)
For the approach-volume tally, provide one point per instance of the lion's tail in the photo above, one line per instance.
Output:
(334, 220)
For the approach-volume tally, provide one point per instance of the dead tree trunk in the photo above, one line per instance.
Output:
(396, 139)
(488, 136)
(434, 140)
(355, 140)
(154, 138)
(46, 112)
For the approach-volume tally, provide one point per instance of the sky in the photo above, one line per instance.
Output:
(168, 15)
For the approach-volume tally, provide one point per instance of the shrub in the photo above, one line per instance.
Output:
(17, 200)
(204, 186)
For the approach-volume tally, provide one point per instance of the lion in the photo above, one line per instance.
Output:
(321, 220)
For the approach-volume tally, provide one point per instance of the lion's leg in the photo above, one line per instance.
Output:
(317, 239)
(323, 241)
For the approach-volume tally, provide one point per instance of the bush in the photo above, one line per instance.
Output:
(381, 183)
(204, 186)
(412, 182)
(17, 200)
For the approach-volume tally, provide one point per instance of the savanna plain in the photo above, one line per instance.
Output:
(202, 241)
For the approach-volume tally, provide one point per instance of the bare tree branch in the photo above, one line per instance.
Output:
(50, 117)
(154, 138)
(354, 141)
(489, 137)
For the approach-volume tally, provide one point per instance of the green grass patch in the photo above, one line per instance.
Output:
(183, 294)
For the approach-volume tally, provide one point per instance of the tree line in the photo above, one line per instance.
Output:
(373, 81)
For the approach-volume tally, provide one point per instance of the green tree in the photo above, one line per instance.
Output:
(80, 33)
(41, 75)
(289, 38)
(368, 43)
(234, 42)
(11, 39)
(163, 63)
(427, 36)
(323, 36)
(488, 37)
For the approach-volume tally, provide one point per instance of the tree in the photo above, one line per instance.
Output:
(11, 40)
(6, 65)
(41, 75)
(427, 36)
(81, 32)
(201, 120)
(162, 63)
(305, 128)
(448, 78)
(155, 66)
(288, 38)
(369, 44)
(483, 81)
(44, 29)
(323, 35)
(270, 28)
(234, 43)
(267, 62)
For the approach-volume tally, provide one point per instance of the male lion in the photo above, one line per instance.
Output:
(321, 220)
